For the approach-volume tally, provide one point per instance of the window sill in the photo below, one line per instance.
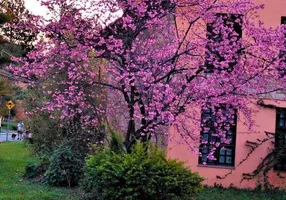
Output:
(216, 166)
(279, 170)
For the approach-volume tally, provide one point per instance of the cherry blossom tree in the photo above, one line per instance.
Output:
(156, 61)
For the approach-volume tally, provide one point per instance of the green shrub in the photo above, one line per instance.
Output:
(66, 167)
(138, 175)
(115, 144)
(47, 134)
(35, 170)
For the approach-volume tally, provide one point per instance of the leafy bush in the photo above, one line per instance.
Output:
(35, 170)
(61, 148)
(47, 134)
(138, 175)
(66, 167)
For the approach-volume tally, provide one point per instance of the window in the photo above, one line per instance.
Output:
(220, 49)
(280, 139)
(218, 136)
(282, 70)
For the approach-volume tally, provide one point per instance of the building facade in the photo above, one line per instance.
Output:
(242, 161)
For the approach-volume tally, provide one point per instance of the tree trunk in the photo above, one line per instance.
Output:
(130, 135)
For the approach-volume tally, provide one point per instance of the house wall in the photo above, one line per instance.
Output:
(264, 120)
(271, 14)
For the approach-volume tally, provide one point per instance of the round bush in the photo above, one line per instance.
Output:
(138, 175)
(66, 167)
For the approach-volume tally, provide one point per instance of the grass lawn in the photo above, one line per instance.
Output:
(238, 194)
(13, 157)
(12, 125)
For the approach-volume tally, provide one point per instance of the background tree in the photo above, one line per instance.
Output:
(158, 69)
(20, 34)
(10, 12)
(16, 39)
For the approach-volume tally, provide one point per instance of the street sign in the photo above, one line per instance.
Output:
(10, 105)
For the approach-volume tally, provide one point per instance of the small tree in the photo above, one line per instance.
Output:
(159, 63)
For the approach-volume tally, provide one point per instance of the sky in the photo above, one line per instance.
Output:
(35, 7)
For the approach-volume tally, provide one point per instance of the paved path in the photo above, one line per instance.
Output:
(3, 135)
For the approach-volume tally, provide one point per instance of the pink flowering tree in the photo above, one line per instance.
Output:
(155, 61)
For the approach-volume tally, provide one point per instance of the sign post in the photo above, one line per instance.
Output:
(9, 105)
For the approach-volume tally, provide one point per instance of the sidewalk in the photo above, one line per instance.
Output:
(3, 135)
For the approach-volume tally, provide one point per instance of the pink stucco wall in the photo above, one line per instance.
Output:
(265, 119)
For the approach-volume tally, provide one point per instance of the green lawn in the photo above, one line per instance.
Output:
(12, 125)
(13, 157)
(237, 194)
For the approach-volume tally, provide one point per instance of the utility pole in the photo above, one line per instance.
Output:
(9, 105)
(8, 126)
